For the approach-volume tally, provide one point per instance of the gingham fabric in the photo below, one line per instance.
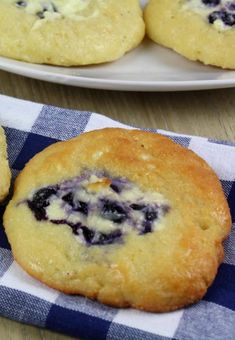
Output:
(30, 128)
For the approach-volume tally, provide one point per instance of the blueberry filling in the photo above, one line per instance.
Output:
(217, 12)
(100, 217)
(45, 7)
(223, 12)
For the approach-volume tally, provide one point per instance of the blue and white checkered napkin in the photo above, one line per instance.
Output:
(30, 128)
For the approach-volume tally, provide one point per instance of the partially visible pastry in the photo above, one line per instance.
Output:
(69, 32)
(202, 30)
(4, 167)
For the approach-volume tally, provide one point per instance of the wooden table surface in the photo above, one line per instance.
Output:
(206, 113)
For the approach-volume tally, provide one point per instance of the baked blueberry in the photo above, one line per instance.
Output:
(227, 17)
(151, 215)
(231, 6)
(68, 198)
(47, 7)
(113, 211)
(40, 201)
(97, 238)
(40, 14)
(77, 206)
(110, 238)
(118, 185)
(74, 226)
(115, 188)
(82, 207)
(136, 206)
(54, 8)
(21, 3)
(211, 3)
(147, 228)
(88, 234)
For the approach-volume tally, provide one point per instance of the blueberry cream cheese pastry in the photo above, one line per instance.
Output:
(69, 32)
(125, 217)
(202, 30)
(4, 167)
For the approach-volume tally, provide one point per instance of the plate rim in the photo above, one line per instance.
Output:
(16, 67)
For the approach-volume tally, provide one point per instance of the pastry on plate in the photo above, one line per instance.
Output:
(202, 30)
(69, 32)
(137, 222)
(4, 167)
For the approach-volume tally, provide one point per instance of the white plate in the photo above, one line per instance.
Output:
(147, 68)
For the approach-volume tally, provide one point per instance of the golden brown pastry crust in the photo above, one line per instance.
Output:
(189, 34)
(117, 29)
(4, 167)
(160, 271)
